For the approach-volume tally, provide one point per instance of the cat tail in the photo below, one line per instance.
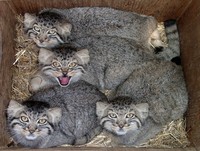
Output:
(172, 51)
(88, 137)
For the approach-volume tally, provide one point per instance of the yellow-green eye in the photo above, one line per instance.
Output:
(24, 119)
(52, 32)
(42, 121)
(130, 115)
(56, 64)
(112, 115)
(72, 64)
(36, 28)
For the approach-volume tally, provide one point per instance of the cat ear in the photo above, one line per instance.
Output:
(45, 56)
(54, 114)
(14, 108)
(83, 56)
(101, 108)
(143, 110)
(64, 29)
(29, 20)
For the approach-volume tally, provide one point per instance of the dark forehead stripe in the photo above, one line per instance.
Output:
(48, 19)
(36, 106)
(50, 15)
(121, 103)
(65, 52)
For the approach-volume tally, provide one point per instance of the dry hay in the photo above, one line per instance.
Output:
(25, 64)
(173, 135)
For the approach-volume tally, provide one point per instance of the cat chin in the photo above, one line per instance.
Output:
(120, 132)
(31, 137)
(49, 44)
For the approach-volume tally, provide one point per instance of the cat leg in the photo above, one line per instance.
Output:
(148, 131)
(57, 139)
(88, 137)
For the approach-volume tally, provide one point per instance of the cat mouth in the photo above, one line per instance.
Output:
(64, 80)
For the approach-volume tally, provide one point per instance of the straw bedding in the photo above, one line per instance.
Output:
(173, 135)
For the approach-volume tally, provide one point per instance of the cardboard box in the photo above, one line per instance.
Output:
(187, 12)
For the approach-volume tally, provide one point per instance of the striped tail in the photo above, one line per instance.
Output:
(172, 51)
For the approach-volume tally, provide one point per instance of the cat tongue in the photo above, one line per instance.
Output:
(63, 80)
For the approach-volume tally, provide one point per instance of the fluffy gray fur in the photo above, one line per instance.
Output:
(160, 84)
(78, 123)
(102, 21)
(112, 60)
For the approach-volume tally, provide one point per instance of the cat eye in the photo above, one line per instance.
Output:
(36, 28)
(42, 121)
(130, 115)
(112, 115)
(51, 32)
(24, 119)
(72, 64)
(56, 64)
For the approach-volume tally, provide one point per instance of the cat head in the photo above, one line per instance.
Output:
(47, 29)
(64, 64)
(31, 121)
(121, 116)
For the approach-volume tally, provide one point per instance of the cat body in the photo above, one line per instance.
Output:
(73, 122)
(104, 21)
(66, 25)
(107, 62)
(160, 84)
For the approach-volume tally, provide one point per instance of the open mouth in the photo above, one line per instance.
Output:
(64, 80)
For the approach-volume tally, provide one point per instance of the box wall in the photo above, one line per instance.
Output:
(189, 27)
(7, 54)
(161, 9)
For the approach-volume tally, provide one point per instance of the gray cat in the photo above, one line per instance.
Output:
(104, 21)
(124, 118)
(160, 84)
(47, 29)
(133, 122)
(56, 24)
(108, 62)
(56, 116)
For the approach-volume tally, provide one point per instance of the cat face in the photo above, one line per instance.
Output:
(121, 116)
(63, 65)
(31, 121)
(47, 29)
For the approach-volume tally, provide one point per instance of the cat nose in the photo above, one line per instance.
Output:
(31, 131)
(41, 40)
(65, 71)
(120, 124)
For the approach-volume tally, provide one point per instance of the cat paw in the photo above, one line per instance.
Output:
(35, 84)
